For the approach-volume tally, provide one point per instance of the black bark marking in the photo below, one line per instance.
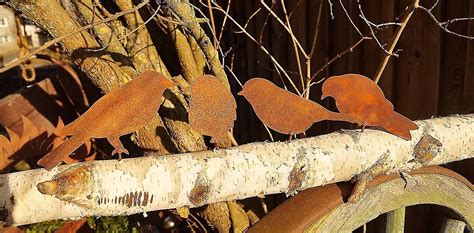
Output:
(128, 198)
(134, 200)
(145, 199)
(139, 198)
(12, 200)
(4, 214)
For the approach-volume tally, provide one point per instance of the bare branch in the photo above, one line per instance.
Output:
(350, 49)
(444, 25)
(399, 32)
(294, 41)
(260, 46)
(223, 22)
(316, 30)
(284, 26)
(349, 17)
(331, 9)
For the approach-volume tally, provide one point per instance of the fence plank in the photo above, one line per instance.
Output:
(454, 58)
(418, 66)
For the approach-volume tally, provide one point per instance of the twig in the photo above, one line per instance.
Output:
(223, 22)
(129, 33)
(340, 55)
(196, 9)
(284, 26)
(248, 20)
(350, 19)
(444, 25)
(261, 48)
(330, 9)
(400, 29)
(369, 24)
(294, 41)
(260, 38)
(311, 53)
(294, 8)
(211, 16)
(54, 41)
(316, 30)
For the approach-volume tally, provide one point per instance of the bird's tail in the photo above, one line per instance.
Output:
(335, 116)
(56, 156)
(399, 125)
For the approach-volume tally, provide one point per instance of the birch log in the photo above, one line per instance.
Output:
(152, 183)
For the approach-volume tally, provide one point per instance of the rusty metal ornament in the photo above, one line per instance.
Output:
(212, 108)
(362, 99)
(119, 112)
(283, 111)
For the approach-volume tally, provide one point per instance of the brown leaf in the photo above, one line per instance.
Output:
(11, 230)
(34, 141)
(71, 226)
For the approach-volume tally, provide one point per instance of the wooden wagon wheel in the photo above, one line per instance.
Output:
(322, 209)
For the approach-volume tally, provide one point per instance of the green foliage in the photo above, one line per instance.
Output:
(111, 224)
(47, 227)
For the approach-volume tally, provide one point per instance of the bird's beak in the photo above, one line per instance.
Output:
(240, 92)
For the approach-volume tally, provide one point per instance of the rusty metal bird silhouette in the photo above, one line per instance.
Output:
(121, 111)
(360, 98)
(283, 111)
(212, 108)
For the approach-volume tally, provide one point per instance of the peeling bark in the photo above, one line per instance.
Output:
(151, 183)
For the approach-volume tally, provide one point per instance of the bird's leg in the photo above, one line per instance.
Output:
(363, 127)
(118, 147)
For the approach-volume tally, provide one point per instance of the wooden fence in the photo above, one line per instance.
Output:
(433, 75)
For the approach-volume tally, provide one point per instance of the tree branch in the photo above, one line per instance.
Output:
(394, 42)
(151, 183)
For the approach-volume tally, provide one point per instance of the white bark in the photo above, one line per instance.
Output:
(151, 183)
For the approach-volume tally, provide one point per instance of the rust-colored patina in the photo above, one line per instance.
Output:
(359, 97)
(284, 111)
(212, 108)
(120, 112)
